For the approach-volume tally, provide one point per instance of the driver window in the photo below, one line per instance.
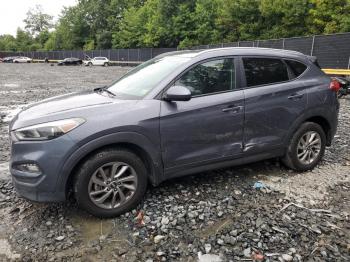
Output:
(210, 77)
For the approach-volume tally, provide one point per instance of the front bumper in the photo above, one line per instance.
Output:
(50, 157)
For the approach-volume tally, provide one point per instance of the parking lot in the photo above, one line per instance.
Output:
(295, 217)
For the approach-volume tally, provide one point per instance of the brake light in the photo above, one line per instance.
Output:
(334, 85)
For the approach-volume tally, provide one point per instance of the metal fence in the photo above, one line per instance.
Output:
(121, 55)
(333, 51)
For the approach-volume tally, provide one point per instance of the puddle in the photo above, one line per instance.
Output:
(5, 250)
(4, 171)
(92, 228)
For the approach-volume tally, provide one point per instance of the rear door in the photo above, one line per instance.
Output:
(210, 125)
(275, 97)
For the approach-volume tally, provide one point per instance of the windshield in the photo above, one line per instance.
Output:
(142, 79)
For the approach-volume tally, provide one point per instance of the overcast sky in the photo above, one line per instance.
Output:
(14, 11)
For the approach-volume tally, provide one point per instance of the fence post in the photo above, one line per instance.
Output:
(238, 44)
(349, 63)
(128, 54)
(109, 54)
(312, 46)
(138, 55)
(283, 40)
(152, 52)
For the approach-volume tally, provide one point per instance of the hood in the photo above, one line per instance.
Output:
(65, 105)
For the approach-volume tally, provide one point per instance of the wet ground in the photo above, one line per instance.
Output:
(214, 215)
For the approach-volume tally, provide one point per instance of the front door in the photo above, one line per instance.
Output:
(210, 125)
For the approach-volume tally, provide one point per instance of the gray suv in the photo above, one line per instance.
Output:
(177, 114)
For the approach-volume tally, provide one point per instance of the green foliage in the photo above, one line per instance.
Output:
(329, 16)
(36, 21)
(105, 24)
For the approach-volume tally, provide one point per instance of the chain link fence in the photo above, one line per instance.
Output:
(332, 51)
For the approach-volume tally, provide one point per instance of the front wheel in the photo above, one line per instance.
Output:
(110, 183)
(306, 147)
(106, 64)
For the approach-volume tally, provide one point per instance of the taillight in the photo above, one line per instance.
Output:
(334, 85)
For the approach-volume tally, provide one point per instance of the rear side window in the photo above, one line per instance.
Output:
(297, 68)
(264, 71)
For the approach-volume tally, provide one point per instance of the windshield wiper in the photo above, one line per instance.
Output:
(104, 89)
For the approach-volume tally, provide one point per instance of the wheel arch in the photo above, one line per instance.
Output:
(322, 121)
(317, 116)
(133, 142)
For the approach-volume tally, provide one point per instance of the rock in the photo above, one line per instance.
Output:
(287, 257)
(220, 214)
(208, 258)
(238, 192)
(234, 233)
(48, 223)
(60, 238)
(292, 250)
(247, 252)
(220, 241)
(259, 222)
(158, 238)
(207, 248)
(165, 221)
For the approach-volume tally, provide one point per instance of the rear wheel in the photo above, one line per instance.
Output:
(89, 64)
(110, 183)
(106, 64)
(306, 147)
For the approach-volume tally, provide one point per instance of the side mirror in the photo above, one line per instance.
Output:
(177, 93)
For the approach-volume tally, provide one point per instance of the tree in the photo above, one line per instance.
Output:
(239, 20)
(37, 21)
(284, 18)
(23, 40)
(329, 16)
(8, 43)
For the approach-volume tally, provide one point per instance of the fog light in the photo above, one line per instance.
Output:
(28, 167)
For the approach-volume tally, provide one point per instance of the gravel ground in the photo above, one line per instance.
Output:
(213, 216)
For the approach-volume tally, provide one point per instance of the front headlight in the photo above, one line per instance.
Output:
(47, 131)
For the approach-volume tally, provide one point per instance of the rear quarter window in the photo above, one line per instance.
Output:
(297, 68)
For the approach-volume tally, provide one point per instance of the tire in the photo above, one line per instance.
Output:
(89, 64)
(90, 172)
(105, 64)
(294, 155)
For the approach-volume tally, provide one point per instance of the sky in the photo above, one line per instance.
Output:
(14, 11)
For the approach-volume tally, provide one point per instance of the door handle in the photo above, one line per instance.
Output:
(234, 109)
(295, 96)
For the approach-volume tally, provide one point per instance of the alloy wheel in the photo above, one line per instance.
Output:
(309, 147)
(112, 185)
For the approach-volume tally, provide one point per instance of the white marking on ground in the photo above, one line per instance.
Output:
(11, 85)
